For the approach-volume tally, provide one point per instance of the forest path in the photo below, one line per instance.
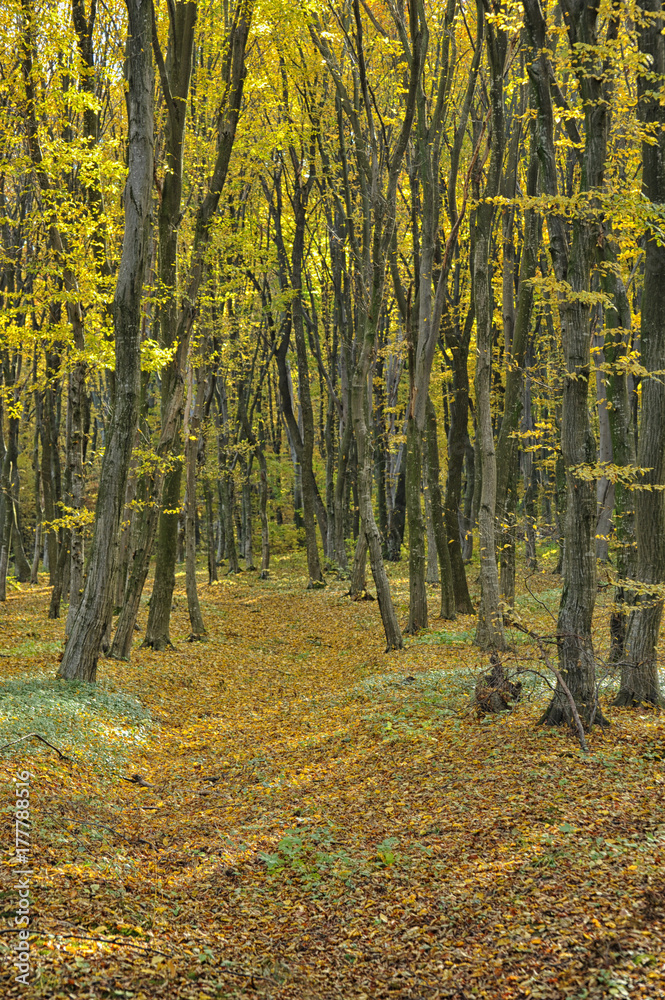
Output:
(316, 819)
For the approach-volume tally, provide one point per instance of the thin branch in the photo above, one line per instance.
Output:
(38, 737)
(163, 75)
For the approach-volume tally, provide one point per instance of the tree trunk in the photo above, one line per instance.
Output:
(489, 631)
(432, 569)
(639, 674)
(439, 528)
(76, 478)
(507, 548)
(191, 432)
(457, 342)
(157, 635)
(39, 513)
(369, 527)
(176, 319)
(604, 486)
(263, 508)
(210, 533)
(417, 591)
(82, 649)
(49, 458)
(573, 265)
(340, 494)
(358, 584)
(617, 346)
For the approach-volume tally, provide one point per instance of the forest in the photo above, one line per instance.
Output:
(332, 524)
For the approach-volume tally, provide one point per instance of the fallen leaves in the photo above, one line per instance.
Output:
(307, 818)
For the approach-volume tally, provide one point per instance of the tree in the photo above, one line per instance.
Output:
(639, 666)
(572, 262)
(378, 165)
(489, 632)
(82, 650)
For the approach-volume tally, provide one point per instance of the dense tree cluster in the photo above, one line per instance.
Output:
(390, 270)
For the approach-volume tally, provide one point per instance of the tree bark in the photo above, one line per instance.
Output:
(572, 264)
(191, 430)
(177, 320)
(457, 342)
(639, 674)
(82, 650)
(489, 631)
(447, 610)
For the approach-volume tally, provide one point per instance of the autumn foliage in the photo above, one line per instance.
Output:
(302, 816)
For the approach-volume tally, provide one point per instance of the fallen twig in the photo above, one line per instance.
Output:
(37, 736)
(564, 687)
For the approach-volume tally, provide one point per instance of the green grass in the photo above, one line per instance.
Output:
(31, 647)
(86, 721)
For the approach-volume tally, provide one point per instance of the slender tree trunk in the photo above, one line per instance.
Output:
(457, 342)
(177, 320)
(5, 510)
(604, 486)
(49, 436)
(529, 475)
(39, 513)
(417, 591)
(340, 494)
(358, 583)
(466, 514)
(369, 527)
(489, 631)
(82, 649)
(263, 509)
(192, 423)
(573, 265)
(246, 502)
(76, 479)
(617, 346)
(432, 569)
(210, 533)
(507, 548)
(438, 524)
(21, 564)
(639, 673)
(157, 635)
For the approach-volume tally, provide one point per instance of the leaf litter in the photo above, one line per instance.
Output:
(286, 811)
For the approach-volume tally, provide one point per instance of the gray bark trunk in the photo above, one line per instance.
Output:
(447, 610)
(82, 650)
(573, 265)
(639, 675)
(176, 322)
(489, 631)
(191, 431)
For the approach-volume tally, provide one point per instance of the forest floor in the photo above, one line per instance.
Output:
(316, 818)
